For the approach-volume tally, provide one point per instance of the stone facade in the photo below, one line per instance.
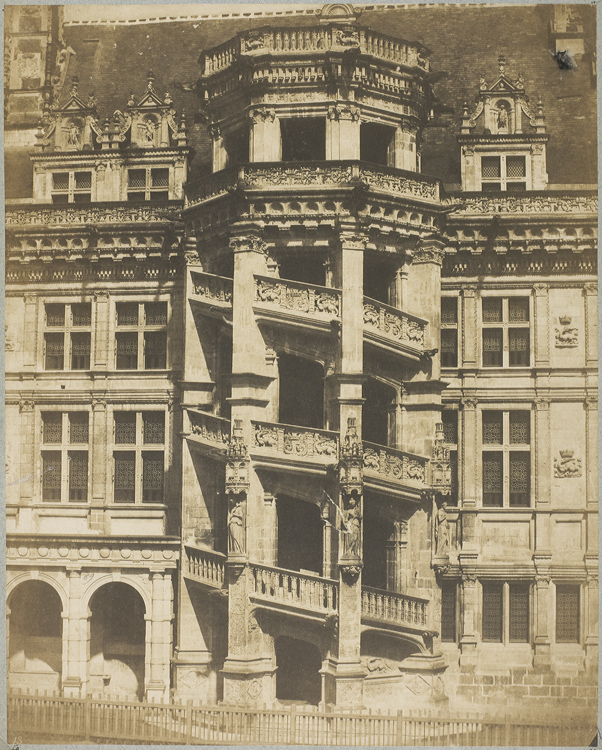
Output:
(289, 418)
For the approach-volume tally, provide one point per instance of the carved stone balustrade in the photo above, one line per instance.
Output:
(390, 467)
(395, 609)
(90, 213)
(294, 302)
(208, 432)
(530, 203)
(293, 445)
(393, 329)
(321, 39)
(213, 292)
(289, 589)
(204, 566)
(322, 175)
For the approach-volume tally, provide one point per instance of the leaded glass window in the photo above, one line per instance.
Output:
(519, 347)
(51, 476)
(154, 427)
(155, 313)
(155, 344)
(125, 428)
(153, 472)
(141, 347)
(55, 351)
(80, 351)
(492, 347)
(449, 418)
(78, 427)
(127, 351)
(506, 333)
(507, 472)
(81, 314)
(520, 431)
(448, 610)
(77, 346)
(78, 476)
(567, 613)
(493, 486)
(518, 603)
(125, 477)
(493, 427)
(449, 347)
(449, 310)
(493, 611)
(52, 427)
(520, 478)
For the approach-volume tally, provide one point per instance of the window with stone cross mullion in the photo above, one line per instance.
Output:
(67, 335)
(506, 458)
(506, 336)
(64, 454)
(449, 331)
(141, 335)
(138, 456)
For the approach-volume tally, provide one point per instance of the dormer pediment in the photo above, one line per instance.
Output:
(71, 126)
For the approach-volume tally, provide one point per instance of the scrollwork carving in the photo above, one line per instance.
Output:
(567, 466)
(566, 335)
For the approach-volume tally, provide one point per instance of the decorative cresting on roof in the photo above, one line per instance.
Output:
(502, 105)
(147, 123)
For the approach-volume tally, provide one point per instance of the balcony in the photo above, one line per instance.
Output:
(206, 567)
(393, 330)
(212, 294)
(298, 593)
(294, 448)
(274, 179)
(394, 610)
(210, 434)
(285, 302)
(388, 469)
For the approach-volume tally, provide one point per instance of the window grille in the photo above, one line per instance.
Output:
(152, 477)
(155, 313)
(520, 478)
(490, 167)
(154, 427)
(76, 345)
(449, 310)
(127, 351)
(515, 166)
(567, 614)
(60, 180)
(125, 477)
(78, 476)
(518, 600)
(127, 313)
(449, 347)
(71, 187)
(506, 333)
(137, 178)
(519, 347)
(448, 611)
(493, 488)
(160, 178)
(82, 314)
(142, 347)
(492, 347)
(80, 351)
(449, 418)
(518, 309)
(52, 427)
(51, 476)
(493, 427)
(55, 351)
(493, 612)
(55, 315)
(492, 310)
(125, 428)
(154, 350)
(78, 427)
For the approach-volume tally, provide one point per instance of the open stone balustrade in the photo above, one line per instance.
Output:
(204, 566)
(529, 203)
(297, 297)
(392, 464)
(386, 322)
(208, 287)
(292, 588)
(295, 442)
(209, 428)
(316, 174)
(320, 39)
(104, 214)
(393, 608)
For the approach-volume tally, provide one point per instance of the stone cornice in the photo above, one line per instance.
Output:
(97, 157)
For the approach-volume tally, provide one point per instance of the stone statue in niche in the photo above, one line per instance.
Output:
(441, 531)
(352, 528)
(73, 134)
(147, 131)
(566, 336)
(236, 528)
(566, 465)
(502, 118)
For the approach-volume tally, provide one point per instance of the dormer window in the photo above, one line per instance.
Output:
(503, 173)
(148, 184)
(71, 187)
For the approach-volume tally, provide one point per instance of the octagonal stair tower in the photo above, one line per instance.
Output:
(313, 291)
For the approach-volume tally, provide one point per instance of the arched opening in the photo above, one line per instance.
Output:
(379, 277)
(299, 535)
(298, 677)
(35, 637)
(301, 399)
(377, 416)
(117, 638)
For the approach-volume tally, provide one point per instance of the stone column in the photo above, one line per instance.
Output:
(470, 332)
(219, 154)
(396, 548)
(343, 132)
(541, 641)
(28, 462)
(328, 521)
(471, 454)
(265, 142)
(75, 640)
(468, 639)
(405, 149)
(98, 447)
(159, 649)
(542, 325)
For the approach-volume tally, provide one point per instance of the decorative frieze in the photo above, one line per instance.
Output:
(85, 215)
(394, 324)
(567, 466)
(298, 297)
(394, 465)
(566, 335)
(542, 203)
(210, 428)
(298, 442)
(212, 288)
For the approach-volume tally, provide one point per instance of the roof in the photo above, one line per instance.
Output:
(112, 60)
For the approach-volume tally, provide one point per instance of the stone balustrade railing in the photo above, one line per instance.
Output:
(294, 441)
(209, 427)
(393, 608)
(297, 297)
(392, 464)
(390, 323)
(211, 288)
(298, 589)
(311, 40)
(89, 214)
(325, 174)
(205, 566)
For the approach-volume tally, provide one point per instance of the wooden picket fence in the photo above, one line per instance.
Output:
(34, 718)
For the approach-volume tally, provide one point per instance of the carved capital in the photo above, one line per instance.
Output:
(26, 406)
(101, 296)
(469, 403)
(429, 252)
(469, 580)
(262, 114)
(250, 243)
(541, 290)
(343, 112)
(99, 404)
(590, 289)
(542, 581)
(352, 241)
(591, 403)
(469, 291)
(542, 403)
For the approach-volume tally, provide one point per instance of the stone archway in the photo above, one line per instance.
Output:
(35, 637)
(298, 677)
(116, 663)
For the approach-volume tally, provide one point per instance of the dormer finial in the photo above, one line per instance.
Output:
(74, 85)
(151, 81)
(502, 63)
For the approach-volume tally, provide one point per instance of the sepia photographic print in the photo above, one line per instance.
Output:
(301, 374)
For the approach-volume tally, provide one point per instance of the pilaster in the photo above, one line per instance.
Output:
(469, 327)
(30, 333)
(542, 325)
(75, 639)
(101, 331)
(343, 132)
(541, 644)
(265, 139)
(590, 292)
(28, 443)
(471, 453)
(468, 639)
(591, 452)
(158, 650)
